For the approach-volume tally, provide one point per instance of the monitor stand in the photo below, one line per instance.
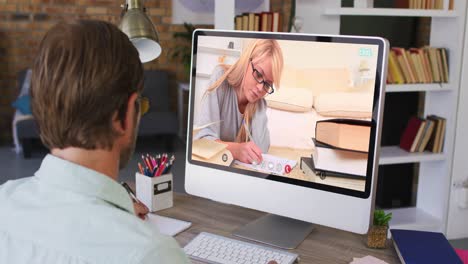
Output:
(275, 230)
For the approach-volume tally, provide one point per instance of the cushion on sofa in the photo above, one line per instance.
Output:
(291, 99)
(23, 104)
(344, 104)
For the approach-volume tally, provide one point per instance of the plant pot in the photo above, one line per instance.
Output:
(377, 237)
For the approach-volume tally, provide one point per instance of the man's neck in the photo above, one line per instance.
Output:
(102, 161)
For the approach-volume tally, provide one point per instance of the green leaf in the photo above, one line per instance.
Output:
(381, 219)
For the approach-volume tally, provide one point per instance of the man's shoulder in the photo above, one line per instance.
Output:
(10, 187)
(123, 237)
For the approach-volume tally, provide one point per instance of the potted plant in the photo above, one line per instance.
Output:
(183, 52)
(377, 235)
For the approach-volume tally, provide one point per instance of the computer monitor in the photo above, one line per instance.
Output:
(287, 124)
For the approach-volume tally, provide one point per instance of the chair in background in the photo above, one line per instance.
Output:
(25, 130)
(159, 121)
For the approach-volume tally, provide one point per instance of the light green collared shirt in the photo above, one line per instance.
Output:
(67, 213)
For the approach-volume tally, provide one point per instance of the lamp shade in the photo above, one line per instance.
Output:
(141, 32)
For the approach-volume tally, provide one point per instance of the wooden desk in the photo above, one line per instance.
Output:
(323, 245)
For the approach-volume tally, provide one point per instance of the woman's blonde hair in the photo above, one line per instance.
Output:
(256, 50)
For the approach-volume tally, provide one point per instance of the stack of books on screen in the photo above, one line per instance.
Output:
(422, 4)
(265, 21)
(423, 247)
(417, 65)
(424, 134)
(341, 149)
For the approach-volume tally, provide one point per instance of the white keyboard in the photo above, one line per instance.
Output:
(212, 248)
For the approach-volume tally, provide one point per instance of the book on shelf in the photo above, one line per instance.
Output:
(445, 69)
(401, 3)
(422, 4)
(423, 247)
(410, 133)
(276, 23)
(251, 18)
(256, 22)
(418, 65)
(436, 141)
(348, 134)
(395, 73)
(327, 161)
(264, 21)
(404, 64)
(418, 137)
(245, 21)
(424, 134)
(238, 22)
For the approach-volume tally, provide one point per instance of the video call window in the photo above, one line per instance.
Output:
(295, 109)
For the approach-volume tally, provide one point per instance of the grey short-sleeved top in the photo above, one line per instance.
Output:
(221, 104)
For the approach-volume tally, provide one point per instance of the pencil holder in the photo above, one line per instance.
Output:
(154, 192)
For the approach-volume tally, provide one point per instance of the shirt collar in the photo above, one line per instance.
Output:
(75, 178)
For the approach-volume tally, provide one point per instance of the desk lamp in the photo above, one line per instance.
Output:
(140, 30)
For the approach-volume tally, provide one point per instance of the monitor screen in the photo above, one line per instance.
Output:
(296, 109)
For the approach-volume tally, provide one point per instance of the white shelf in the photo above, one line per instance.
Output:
(230, 52)
(398, 12)
(418, 87)
(415, 219)
(396, 155)
(203, 75)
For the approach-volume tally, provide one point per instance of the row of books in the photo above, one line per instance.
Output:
(423, 4)
(424, 134)
(265, 21)
(341, 149)
(417, 65)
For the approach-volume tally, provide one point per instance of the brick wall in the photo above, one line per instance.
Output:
(24, 22)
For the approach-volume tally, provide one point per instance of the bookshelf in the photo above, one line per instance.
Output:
(349, 11)
(227, 52)
(396, 155)
(419, 87)
(414, 218)
(435, 169)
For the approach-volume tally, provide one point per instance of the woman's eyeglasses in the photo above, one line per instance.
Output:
(144, 105)
(268, 87)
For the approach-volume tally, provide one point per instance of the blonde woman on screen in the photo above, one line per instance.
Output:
(236, 96)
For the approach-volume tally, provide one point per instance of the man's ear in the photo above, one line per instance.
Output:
(122, 126)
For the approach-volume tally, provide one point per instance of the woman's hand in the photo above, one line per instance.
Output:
(140, 210)
(246, 152)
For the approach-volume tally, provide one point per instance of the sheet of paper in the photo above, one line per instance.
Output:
(367, 260)
(196, 128)
(207, 148)
(166, 225)
(271, 164)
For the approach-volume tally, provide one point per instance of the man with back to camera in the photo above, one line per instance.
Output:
(85, 90)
